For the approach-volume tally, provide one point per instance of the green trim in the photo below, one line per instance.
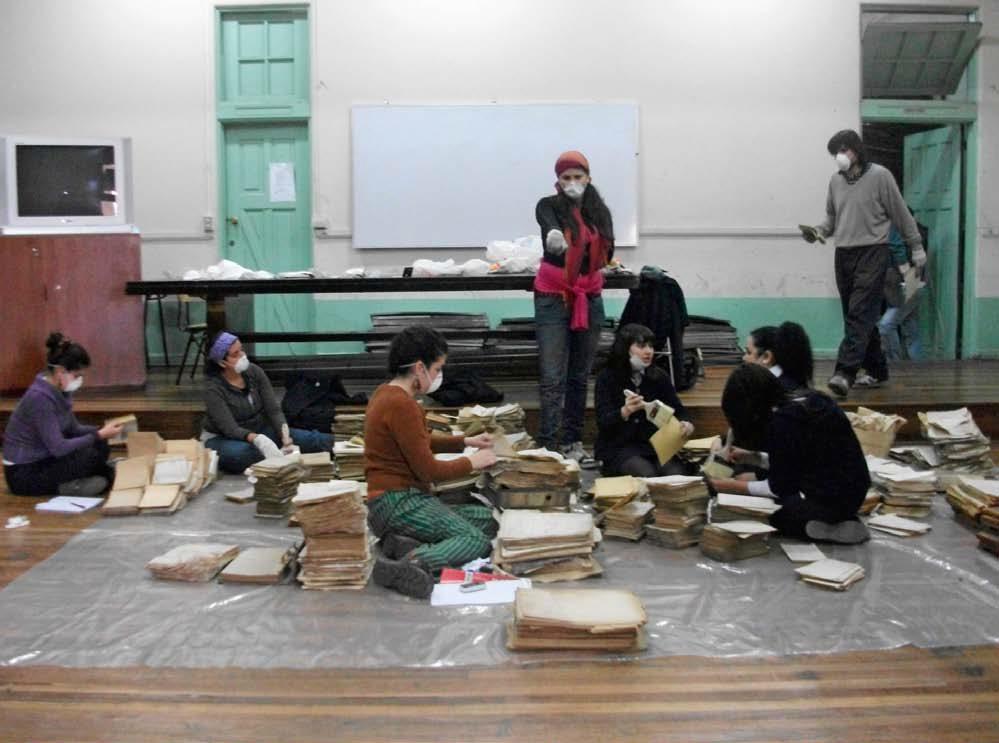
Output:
(917, 112)
(988, 332)
(972, 341)
(270, 111)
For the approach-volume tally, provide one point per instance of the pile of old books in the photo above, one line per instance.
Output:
(609, 492)
(349, 457)
(576, 619)
(898, 526)
(971, 496)
(988, 536)
(348, 425)
(628, 521)
(917, 456)
(681, 503)
(960, 443)
(318, 467)
(904, 491)
(733, 507)
(198, 562)
(736, 540)
(262, 565)
(546, 546)
(275, 482)
(507, 418)
(834, 574)
(534, 478)
(334, 519)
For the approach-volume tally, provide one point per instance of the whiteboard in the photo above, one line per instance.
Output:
(460, 176)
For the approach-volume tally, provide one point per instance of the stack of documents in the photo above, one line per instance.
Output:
(628, 521)
(198, 562)
(507, 418)
(736, 540)
(275, 482)
(905, 491)
(988, 536)
(871, 501)
(697, 450)
(334, 519)
(318, 467)
(802, 551)
(159, 477)
(533, 478)
(681, 503)
(546, 546)
(899, 526)
(576, 619)
(960, 443)
(917, 456)
(875, 431)
(349, 459)
(348, 425)
(454, 491)
(259, 565)
(162, 500)
(834, 574)
(971, 496)
(733, 507)
(609, 492)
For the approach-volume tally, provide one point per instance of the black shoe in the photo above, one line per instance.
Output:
(405, 576)
(844, 532)
(85, 487)
(398, 546)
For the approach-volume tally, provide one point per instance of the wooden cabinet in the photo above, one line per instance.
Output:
(74, 284)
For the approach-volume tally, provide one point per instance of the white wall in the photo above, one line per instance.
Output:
(737, 102)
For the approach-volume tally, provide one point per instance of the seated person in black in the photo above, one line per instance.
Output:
(623, 430)
(786, 351)
(817, 471)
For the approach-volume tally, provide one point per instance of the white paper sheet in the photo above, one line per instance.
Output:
(495, 592)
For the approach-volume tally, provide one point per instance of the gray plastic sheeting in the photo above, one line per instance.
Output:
(94, 604)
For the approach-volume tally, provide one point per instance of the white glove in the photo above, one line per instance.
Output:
(265, 446)
(556, 242)
(919, 257)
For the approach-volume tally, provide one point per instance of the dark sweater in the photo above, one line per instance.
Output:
(43, 425)
(235, 413)
(618, 438)
(548, 220)
(814, 451)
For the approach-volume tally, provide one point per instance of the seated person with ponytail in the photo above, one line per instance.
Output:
(786, 351)
(623, 430)
(420, 535)
(243, 420)
(816, 469)
(45, 449)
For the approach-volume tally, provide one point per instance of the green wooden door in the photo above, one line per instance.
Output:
(932, 188)
(268, 218)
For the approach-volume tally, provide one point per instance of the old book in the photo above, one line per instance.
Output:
(196, 562)
(122, 502)
(258, 565)
(131, 473)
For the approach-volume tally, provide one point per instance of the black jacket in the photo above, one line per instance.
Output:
(548, 220)
(658, 304)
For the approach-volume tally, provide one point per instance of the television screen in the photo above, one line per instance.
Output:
(65, 180)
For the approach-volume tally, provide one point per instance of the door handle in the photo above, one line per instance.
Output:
(233, 221)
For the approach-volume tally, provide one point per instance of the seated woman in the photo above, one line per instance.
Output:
(623, 430)
(45, 449)
(786, 351)
(420, 535)
(817, 472)
(243, 420)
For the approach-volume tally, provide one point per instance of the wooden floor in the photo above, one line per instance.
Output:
(949, 694)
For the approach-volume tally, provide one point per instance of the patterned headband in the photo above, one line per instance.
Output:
(221, 346)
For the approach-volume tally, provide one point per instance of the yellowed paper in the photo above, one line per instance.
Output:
(668, 440)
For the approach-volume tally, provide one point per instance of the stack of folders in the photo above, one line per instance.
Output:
(917, 456)
(960, 443)
(197, 562)
(872, 500)
(988, 536)
(898, 526)
(349, 459)
(905, 491)
(334, 520)
(733, 507)
(533, 478)
(507, 418)
(736, 540)
(628, 521)
(159, 478)
(609, 492)
(348, 425)
(971, 496)
(681, 503)
(318, 467)
(828, 573)
(259, 565)
(546, 547)
(576, 619)
(275, 483)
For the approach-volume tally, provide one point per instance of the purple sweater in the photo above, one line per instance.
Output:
(43, 425)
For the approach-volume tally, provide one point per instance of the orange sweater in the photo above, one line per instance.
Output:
(398, 449)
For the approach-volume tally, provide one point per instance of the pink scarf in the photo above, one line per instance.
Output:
(552, 280)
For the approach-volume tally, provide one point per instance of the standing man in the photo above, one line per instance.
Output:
(862, 204)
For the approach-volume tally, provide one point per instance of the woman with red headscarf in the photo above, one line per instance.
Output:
(578, 236)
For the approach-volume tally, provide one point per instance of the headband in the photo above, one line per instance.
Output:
(221, 346)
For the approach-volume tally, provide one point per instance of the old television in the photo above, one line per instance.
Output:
(65, 184)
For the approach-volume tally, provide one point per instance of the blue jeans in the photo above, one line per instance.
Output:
(235, 455)
(565, 358)
(904, 320)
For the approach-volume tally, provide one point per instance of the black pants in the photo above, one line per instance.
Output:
(46, 475)
(641, 466)
(796, 511)
(860, 279)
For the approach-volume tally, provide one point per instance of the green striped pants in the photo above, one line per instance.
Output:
(451, 536)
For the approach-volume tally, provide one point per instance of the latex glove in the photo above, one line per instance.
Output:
(482, 441)
(811, 234)
(919, 257)
(555, 241)
(265, 446)
(286, 442)
(686, 428)
(482, 459)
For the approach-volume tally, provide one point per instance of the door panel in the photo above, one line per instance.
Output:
(932, 174)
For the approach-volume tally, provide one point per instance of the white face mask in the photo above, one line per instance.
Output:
(242, 365)
(638, 363)
(73, 386)
(843, 161)
(574, 190)
(436, 384)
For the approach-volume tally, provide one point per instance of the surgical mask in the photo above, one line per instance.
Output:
(638, 363)
(843, 161)
(242, 365)
(436, 384)
(73, 386)
(574, 190)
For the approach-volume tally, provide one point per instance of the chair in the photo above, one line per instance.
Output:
(197, 335)
(158, 298)
(667, 353)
